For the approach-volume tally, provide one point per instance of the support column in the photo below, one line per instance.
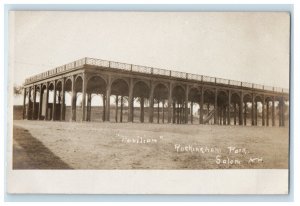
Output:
(192, 117)
(255, 112)
(268, 113)
(121, 115)
(24, 102)
(107, 98)
(186, 106)
(54, 102)
(34, 102)
(73, 105)
(117, 105)
(241, 110)
(170, 103)
(263, 111)
(279, 113)
(41, 102)
(130, 101)
(47, 101)
(29, 104)
(245, 113)
(224, 115)
(201, 107)
(104, 108)
(229, 104)
(174, 112)
(216, 107)
(151, 103)
(84, 85)
(158, 100)
(273, 111)
(207, 112)
(62, 106)
(142, 109)
(89, 107)
(234, 111)
(252, 110)
(163, 111)
(283, 113)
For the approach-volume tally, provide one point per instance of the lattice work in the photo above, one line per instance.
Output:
(258, 86)
(97, 62)
(235, 83)
(162, 72)
(142, 69)
(61, 69)
(118, 65)
(208, 79)
(195, 77)
(286, 90)
(178, 74)
(246, 84)
(221, 81)
(52, 72)
(277, 89)
(70, 66)
(268, 88)
(80, 62)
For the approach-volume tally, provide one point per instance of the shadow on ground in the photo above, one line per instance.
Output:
(30, 153)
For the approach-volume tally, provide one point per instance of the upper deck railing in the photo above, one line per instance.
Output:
(148, 70)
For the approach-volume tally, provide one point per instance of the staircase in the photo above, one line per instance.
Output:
(209, 116)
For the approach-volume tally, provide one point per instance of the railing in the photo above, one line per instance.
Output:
(195, 77)
(122, 66)
(222, 81)
(141, 69)
(235, 83)
(178, 74)
(148, 70)
(97, 62)
(209, 79)
(258, 86)
(162, 72)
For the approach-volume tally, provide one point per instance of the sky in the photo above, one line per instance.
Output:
(243, 46)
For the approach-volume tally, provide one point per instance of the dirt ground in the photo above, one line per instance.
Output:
(67, 145)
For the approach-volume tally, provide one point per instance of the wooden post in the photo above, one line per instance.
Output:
(151, 103)
(54, 102)
(163, 111)
(24, 102)
(273, 111)
(62, 106)
(84, 85)
(142, 109)
(107, 98)
(117, 104)
(241, 110)
(34, 102)
(74, 97)
(201, 106)
(170, 104)
(41, 102)
(192, 112)
(216, 107)
(29, 104)
(122, 103)
(130, 102)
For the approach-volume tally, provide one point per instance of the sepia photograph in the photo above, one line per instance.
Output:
(149, 90)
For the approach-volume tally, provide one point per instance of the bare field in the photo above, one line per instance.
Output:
(72, 145)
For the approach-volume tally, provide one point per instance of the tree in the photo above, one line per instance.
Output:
(17, 90)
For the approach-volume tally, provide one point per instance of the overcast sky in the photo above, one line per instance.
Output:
(252, 47)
